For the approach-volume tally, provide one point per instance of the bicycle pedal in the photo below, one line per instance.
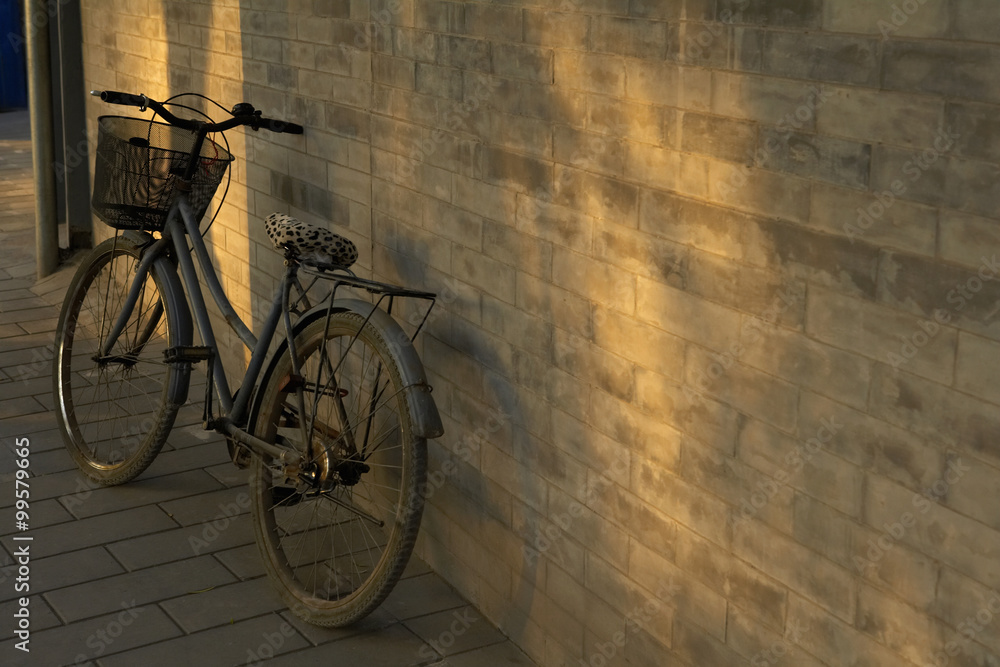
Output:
(239, 454)
(187, 354)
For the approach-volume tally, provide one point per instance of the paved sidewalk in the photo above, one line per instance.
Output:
(164, 570)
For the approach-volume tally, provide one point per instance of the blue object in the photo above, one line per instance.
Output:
(13, 75)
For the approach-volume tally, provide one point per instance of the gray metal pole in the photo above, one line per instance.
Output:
(36, 30)
(73, 174)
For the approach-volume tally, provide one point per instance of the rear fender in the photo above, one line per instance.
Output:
(424, 415)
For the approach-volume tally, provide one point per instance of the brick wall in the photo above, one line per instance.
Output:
(717, 346)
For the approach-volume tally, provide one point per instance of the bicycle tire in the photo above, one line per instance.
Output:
(321, 545)
(115, 415)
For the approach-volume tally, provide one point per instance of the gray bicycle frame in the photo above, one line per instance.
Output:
(180, 226)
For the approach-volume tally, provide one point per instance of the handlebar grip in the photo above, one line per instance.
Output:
(280, 126)
(127, 99)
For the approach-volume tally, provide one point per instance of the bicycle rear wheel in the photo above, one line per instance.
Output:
(114, 410)
(336, 534)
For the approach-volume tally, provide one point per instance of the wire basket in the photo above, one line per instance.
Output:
(140, 165)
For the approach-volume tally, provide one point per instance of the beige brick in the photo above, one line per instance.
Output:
(654, 166)
(562, 624)
(423, 246)
(957, 541)
(691, 599)
(513, 170)
(562, 226)
(601, 367)
(588, 151)
(532, 528)
(979, 480)
(585, 526)
(865, 328)
(887, 19)
(900, 570)
(668, 84)
(475, 195)
(698, 415)
(806, 363)
(495, 22)
(577, 439)
(483, 272)
(758, 191)
(766, 100)
(507, 245)
(767, 298)
(876, 218)
(803, 463)
(964, 604)
(695, 646)
(687, 504)
(964, 238)
(977, 366)
(898, 626)
(396, 72)
(566, 29)
(764, 645)
(802, 570)
(752, 493)
(610, 585)
(935, 412)
(644, 435)
(687, 316)
(710, 45)
(525, 135)
(593, 280)
(591, 73)
(562, 390)
(660, 352)
(523, 62)
(596, 203)
(643, 522)
(595, 195)
(718, 137)
(870, 116)
(748, 390)
(875, 445)
(631, 37)
(639, 253)
(563, 308)
(620, 118)
(832, 640)
(742, 585)
(793, 249)
(964, 298)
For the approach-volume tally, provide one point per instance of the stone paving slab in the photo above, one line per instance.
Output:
(164, 570)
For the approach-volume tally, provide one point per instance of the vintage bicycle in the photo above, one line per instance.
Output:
(332, 423)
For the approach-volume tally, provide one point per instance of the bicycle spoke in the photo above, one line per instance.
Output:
(353, 525)
(115, 415)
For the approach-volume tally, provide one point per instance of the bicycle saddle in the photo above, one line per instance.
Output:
(309, 241)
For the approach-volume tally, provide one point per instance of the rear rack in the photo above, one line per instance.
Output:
(386, 292)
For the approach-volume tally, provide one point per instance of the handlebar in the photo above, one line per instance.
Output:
(247, 116)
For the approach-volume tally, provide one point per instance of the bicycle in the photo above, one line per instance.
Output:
(333, 423)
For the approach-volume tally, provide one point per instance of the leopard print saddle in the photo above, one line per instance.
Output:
(309, 242)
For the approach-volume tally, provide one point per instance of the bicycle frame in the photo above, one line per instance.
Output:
(181, 225)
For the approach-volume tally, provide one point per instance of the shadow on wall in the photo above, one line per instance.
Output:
(670, 284)
(202, 47)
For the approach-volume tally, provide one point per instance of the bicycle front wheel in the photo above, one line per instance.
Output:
(336, 533)
(114, 409)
